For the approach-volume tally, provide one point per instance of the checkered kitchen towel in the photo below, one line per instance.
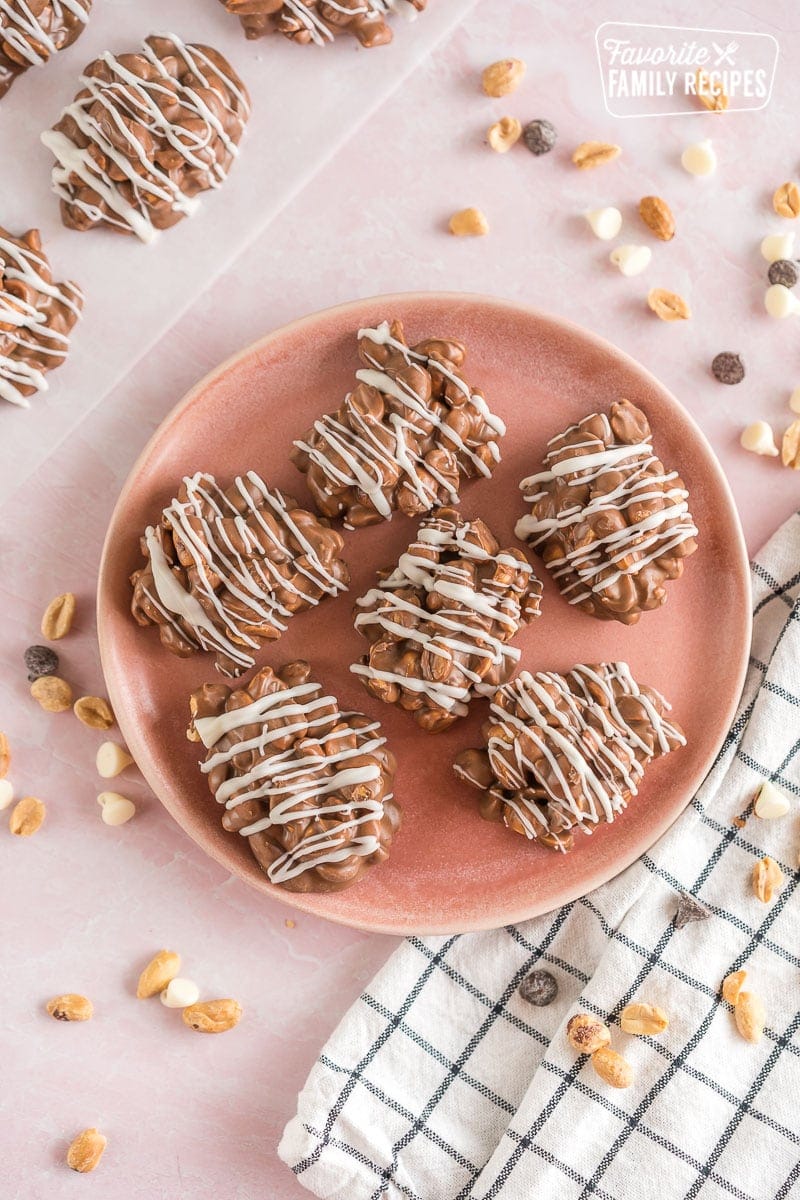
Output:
(443, 1083)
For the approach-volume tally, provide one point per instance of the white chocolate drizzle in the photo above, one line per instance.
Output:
(252, 584)
(24, 33)
(626, 550)
(456, 631)
(320, 32)
(130, 100)
(367, 462)
(604, 766)
(306, 780)
(25, 325)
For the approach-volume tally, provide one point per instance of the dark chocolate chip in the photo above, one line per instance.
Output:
(539, 988)
(40, 660)
(784, 271)
(728, 367)
(690, 909)
(539, 136)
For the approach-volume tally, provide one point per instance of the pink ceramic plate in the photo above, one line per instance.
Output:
(449, 870)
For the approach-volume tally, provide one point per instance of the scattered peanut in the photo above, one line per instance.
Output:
(612, 1068)
(767, 879)
(111, 760)
(710, 92)
(180, 993)
(657, 216)
(503, 77)
(52, 693)
(116, 809)
(94, 711)
(86, 1151)
(586, 1034)
(58, 617)
(5, 756)
(732, 985)
(759, 439)
(504, 134)
(786, 200)
(469, 222)
(158, 973)
(27, 816)
(750, 1016)
(790, 447)
(70, 1007)
(669, 306)
(595, 154)
(770, 803)
(643, 1019)
(213, 1016)
(794, 400)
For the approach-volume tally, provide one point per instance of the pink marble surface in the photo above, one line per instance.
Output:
(85, 905)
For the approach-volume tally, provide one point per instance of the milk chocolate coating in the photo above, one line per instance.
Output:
(404, 445)
(351, 826)
(567, 751)
(318, 22)
(250, 557)
(442, 620)
(37, 315)
(31, 31)
(148, 132)
(612, 534)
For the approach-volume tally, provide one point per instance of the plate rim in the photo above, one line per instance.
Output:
(308, 902)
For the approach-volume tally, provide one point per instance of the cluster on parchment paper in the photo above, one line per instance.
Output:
(36, 317)
(319, 21)
(147, 132)
(32, 31)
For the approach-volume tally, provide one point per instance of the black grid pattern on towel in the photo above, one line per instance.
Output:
(584, 1178)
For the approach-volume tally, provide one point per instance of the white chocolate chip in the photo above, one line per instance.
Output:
(777, 245)
(771, 802)
(631, 260)
(6, 793)
(699, 158)
(759, 438)
(180, 993)
(794, 400)
(117, 809)
(604, 223)
(780, 301)
(111, 760)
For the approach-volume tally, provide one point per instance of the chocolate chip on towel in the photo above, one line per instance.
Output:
(784, 271)
(689, 909)
(728, 367)
(40, 660)
(539, 988)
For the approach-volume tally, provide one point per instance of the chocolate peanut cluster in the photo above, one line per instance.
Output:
(309, 787)
(567, 751)
(611, 522)
(320, 21)
(227, 568)
(32, 31)
(439, 623)
(146, 134)
(406, 435)
(37, 316)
